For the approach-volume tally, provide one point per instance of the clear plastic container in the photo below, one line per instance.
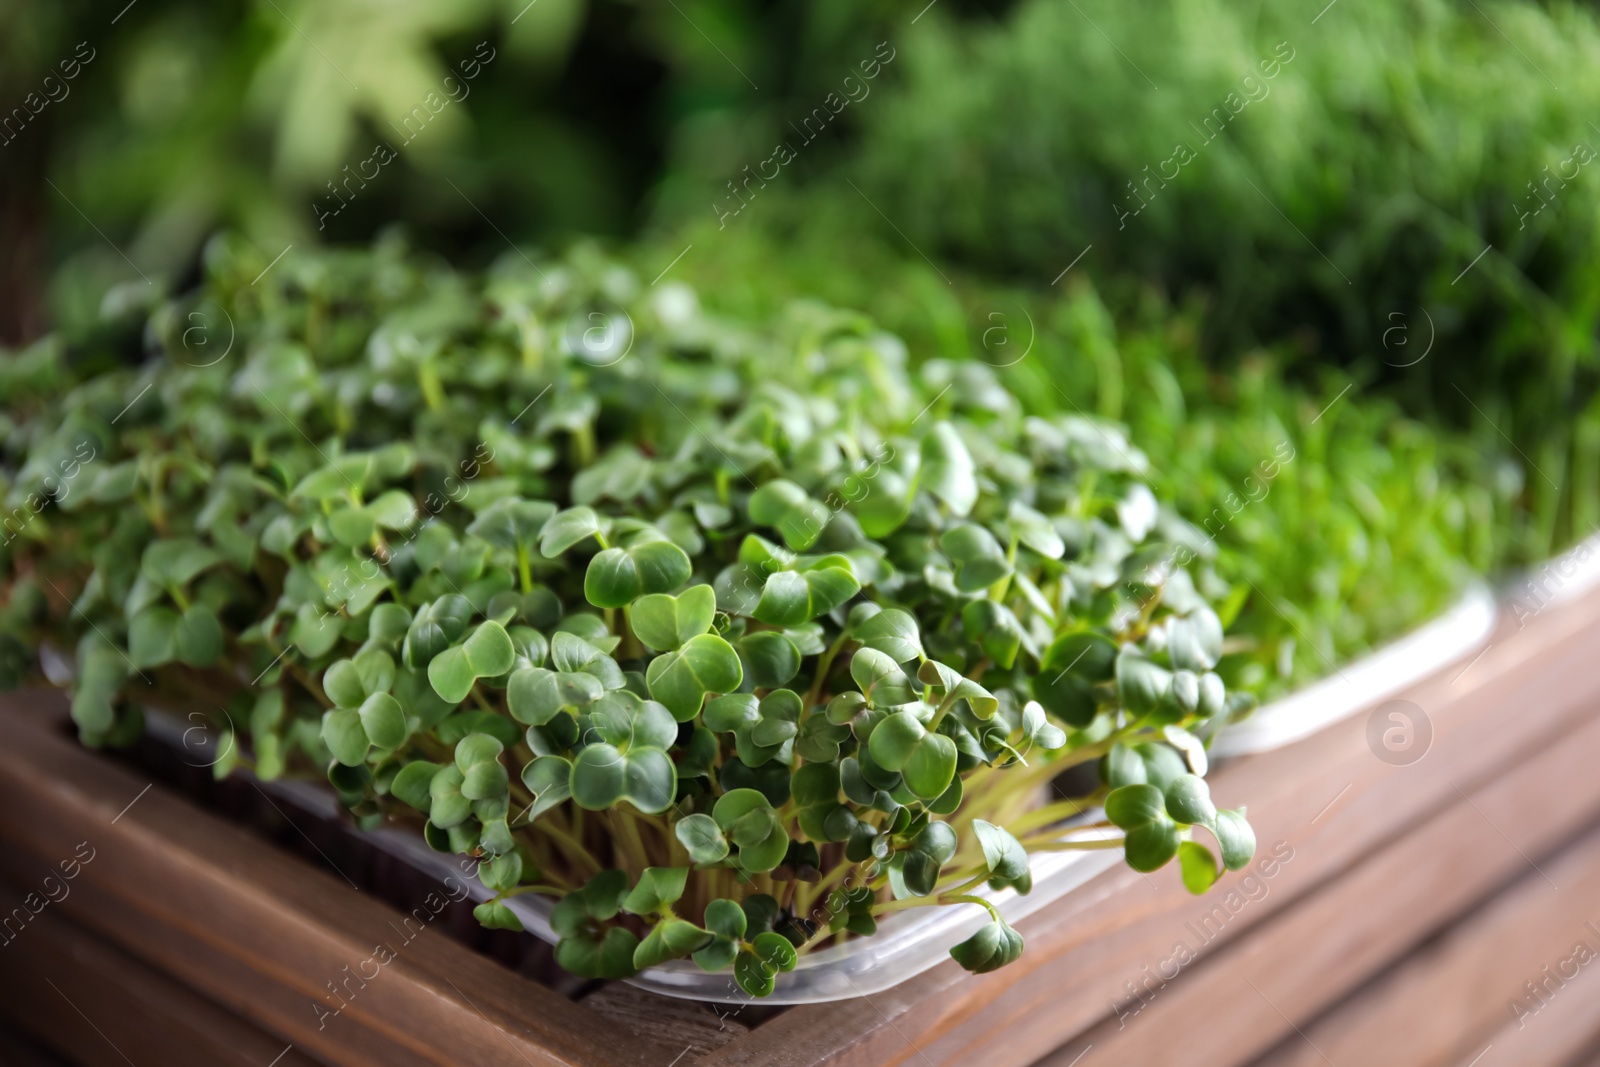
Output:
(906, 944)
(1570, 576)
(912, 941)
(1458, 633)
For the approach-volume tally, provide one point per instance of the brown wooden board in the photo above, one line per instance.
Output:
(1360, 863)
(77, 993)
(267, 936)
(1508, 978)
(1328, 798)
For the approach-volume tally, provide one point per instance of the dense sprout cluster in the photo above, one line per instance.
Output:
(1325, 186)
(730, 639)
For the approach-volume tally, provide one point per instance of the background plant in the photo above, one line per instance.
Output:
(1318, 197)
(1376, 522)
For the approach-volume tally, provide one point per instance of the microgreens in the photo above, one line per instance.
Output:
(741, 629)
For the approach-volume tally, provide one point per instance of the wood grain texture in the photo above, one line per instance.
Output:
(1360, 861)
(1454, 997)
(76, 993)
(266, 935)
(691, 1028)
(1327, 798)
(1254, 994)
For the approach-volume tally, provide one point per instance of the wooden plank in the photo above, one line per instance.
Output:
(264, 936)
(1452, 999)
(690, 1028)
(1243, 1000)
(1328, 799)
(99, 1006)
(270, 937)
(18, 1051)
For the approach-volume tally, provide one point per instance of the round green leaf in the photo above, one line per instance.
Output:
(1131, 806)
(1236, 838)
(770, 658)
(726, 918)
(484, 781)
(775, 951)
(152, 637)
(549, 779)
(1189, 801)
(383, 720)
(1002, 853)
(896, 739)
(790, 598)
(1150, 846)
(496, 916)
(753, 975)
(352, 526)
(992, 947)
(618, 576)
(650, 780)
(665, 622)
(932, 767)
(892, 632)
(1194, 641)
(611, 957)
(198, 636)
(657, 888)
(412, 784)
(670, 939)
(786, 507)
(1141, 684)
(566, 529)
(599, 777)
(1198, 867)
(703, 839)
(342, 682)
(343, 734)
(680, 680)
(978, 558)
(947, 469)
(501, 873)
(447, 808)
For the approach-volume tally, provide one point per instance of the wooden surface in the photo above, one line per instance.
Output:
(262, 933)
(1393, 912)
(97, 1004)
(1452, 998)
(1382, 857)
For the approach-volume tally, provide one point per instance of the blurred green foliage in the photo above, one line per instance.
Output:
(1257, 194)
(539, 120)
(1374, 523)
(1322, 181)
